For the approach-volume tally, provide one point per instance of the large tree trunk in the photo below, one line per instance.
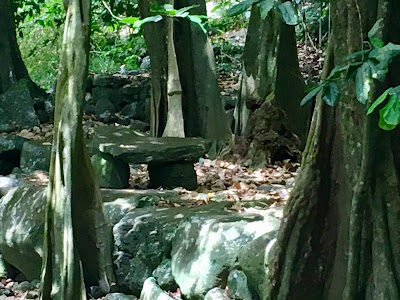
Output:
(203, 112)
(12, 68)
(77, 236)
(340, 238)
(271, 88)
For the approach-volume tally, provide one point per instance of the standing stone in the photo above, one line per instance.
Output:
(110, 172)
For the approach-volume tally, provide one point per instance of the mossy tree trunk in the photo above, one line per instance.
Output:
(203, 113)
(340, 238)
(77, 236)
(12, 68)
(270, 83)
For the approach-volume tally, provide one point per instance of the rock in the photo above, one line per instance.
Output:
(6, 293)
(237, 286)
(104, 105)
(35, 155)
(7, 183)
(146, 235)
(205, 248)
(164, 277)
(172, 175)
(32, 295)
(119, 296)
(22, 223)
(253, 260)
(107, 80)
(140, 125)
(96, 292)
(121, 206)
(151, 291)
(229, 101)
(90, 109)
(42, 116)
(133, 148)
(10, 152)
(23, 286)
(16, 108)
(11, 142)
(216, 294)
(110, 172)
(107, 117)
(145, 65)
(134, 110)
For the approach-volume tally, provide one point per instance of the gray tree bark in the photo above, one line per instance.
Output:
(340, 237)
(12, 68)
(77, 237)
(270, 65)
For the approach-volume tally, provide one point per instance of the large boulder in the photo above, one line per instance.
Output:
(164, 277)
(216, 294)
(205, 248)
(35, 155)
(253, 259)
(22, 222)
(16, 108)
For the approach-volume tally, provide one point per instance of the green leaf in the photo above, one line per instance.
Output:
(265, 7)
(376, 42)
(360, 55)
(331, 94)
(131, 20)
(391, 111)
(154, 19)
(378, 101)
(240, 8)
(312, 93)
(383, 124)
(197, 19)
(289, 13)
(363, 82)
(385, 55)
(184, 10)
(377, 27)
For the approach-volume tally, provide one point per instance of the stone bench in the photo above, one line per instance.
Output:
(170, 159)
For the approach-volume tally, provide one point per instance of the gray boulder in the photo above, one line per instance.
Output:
(205, 248)
(35, 155)
(105, 110)
(16, 108)
(164, 277)
(216, 294)
(22, 224)
(8, 183)
(253, 259)
(110, 172)
(119, 296)
(151, 291)
(237, 286)
(134, 110)
(108, 80)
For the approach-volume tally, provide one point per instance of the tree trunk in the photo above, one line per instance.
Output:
(12, 68)
(77, 237)
(203, 111)
(270, 64)
(340, 237)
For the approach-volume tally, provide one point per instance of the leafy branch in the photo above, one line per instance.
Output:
(287, 10)
(364, 67)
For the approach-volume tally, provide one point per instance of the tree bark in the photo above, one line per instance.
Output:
(340, 235)
(270, 64)
(203, 111)
(12, 68)
(77, 236)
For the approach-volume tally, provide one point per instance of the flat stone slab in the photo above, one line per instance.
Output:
(131, 147)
